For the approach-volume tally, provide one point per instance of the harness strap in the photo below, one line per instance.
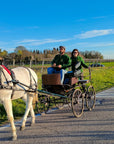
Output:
(31, 76)
(0, 80)
(2, 72)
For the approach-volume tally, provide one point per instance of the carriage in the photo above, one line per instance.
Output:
(74, 92)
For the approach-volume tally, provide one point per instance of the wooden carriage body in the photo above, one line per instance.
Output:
(52, 83)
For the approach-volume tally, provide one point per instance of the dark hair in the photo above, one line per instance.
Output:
(62, 47)
(73, 52)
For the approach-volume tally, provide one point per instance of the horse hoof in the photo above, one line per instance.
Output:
(14, 138)
(43, 114)
(22, 128)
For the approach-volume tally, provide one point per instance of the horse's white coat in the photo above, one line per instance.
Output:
(23, 76)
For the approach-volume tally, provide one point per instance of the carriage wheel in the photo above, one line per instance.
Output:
(46, 104)
(90, 98)
(69, 100)
(39, 106)
(77, 103)
(42, 105)
(59, 103)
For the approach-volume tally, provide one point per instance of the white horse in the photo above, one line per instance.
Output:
(24, 87)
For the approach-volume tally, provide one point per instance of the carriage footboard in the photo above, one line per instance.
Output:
(51, 94)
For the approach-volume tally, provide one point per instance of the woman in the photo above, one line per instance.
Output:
(77, 63)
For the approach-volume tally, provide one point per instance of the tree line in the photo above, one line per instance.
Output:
(22, 55)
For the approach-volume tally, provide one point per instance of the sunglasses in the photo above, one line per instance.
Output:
(75, 52)
(61, 48)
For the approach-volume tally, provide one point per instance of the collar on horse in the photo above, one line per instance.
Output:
(6, 69)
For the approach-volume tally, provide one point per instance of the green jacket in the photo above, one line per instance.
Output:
(78, 61)
(63, 60)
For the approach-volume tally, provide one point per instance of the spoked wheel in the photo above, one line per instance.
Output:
(37, 106)
(77, 103)
(59, 103)
(69, 100)
(46, 104)
(90, 98)
(43, 104)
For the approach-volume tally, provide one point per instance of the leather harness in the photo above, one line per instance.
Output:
(14, 81)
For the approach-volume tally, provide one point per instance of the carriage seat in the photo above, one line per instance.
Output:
(70, 79)
(54, 79)
(51, 79)
(73, 80)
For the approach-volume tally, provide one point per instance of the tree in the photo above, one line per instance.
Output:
(13, 56)
(4, 53)
(92, 55)
(19, 48)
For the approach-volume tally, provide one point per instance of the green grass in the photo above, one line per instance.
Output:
(102, 78)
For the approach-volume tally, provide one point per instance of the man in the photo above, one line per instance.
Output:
(60, 63)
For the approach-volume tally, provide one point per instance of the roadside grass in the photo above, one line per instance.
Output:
(102, 78)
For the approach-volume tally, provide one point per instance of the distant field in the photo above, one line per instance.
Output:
(102, 78)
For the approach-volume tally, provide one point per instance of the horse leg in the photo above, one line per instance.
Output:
(31, 110)
(8, 107)
(32, 115)
(35, 99)
(28, 106)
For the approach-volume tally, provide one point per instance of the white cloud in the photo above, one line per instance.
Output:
(10, 49)
(101, 44)
(94, 33)
(3, 43)
(27, 41)
(99, 17)
(40, 42)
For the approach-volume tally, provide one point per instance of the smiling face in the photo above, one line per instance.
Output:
(75, 53)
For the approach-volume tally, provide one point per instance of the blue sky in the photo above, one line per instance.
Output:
(44, 24)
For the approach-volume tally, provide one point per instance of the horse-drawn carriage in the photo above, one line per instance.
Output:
(25, 86)
(72, 92)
